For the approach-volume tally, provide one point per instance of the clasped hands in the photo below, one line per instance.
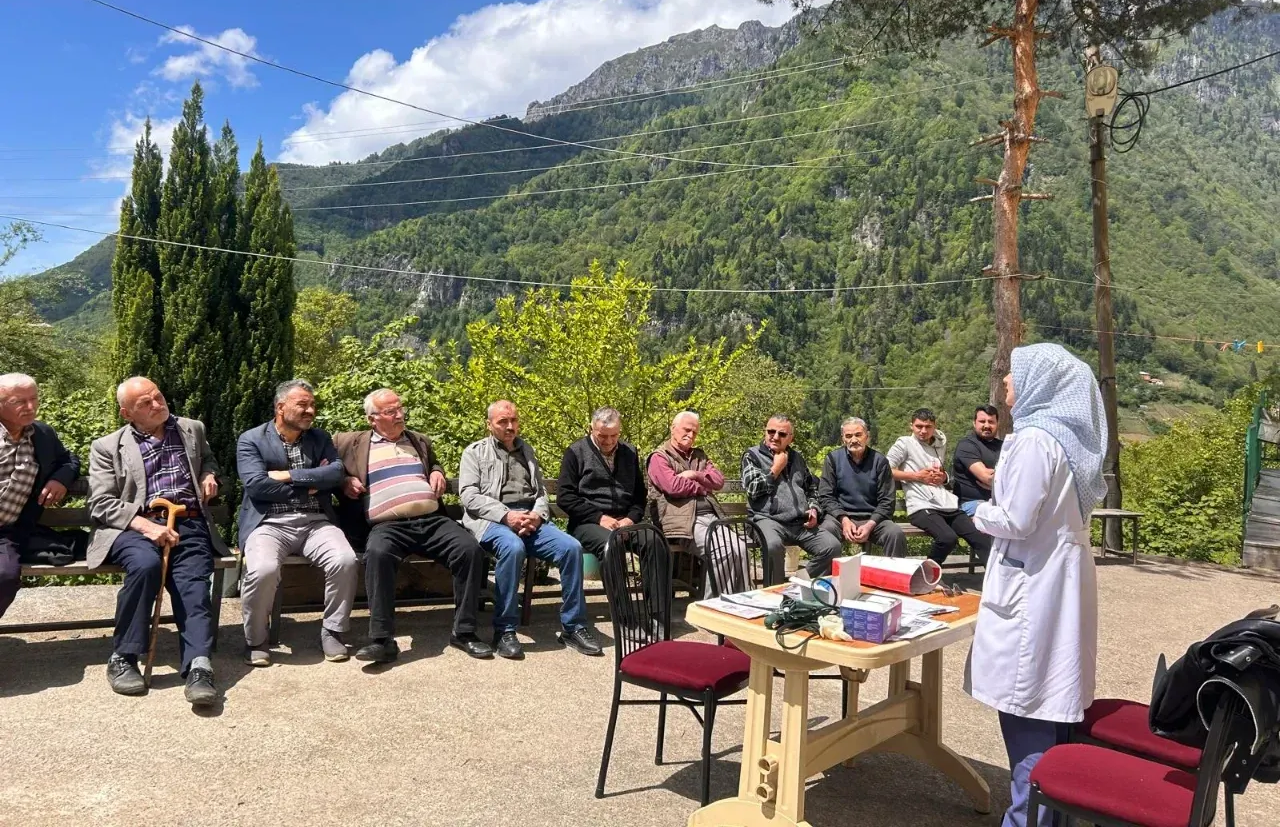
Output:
(522, 523)
(854, 533)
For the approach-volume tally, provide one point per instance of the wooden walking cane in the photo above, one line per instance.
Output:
(174, 510)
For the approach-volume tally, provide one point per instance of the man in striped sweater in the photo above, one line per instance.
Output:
(394, 476)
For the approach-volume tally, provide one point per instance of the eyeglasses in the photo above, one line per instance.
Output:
(775, 432)
(399, 410)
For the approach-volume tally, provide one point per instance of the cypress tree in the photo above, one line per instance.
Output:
(192, 360)
(135, 267)
(224, 308)
(266, 294)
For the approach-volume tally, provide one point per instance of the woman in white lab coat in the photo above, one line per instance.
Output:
(1035, 647)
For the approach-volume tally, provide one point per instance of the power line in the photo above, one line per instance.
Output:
(391, 129)
(386, 99)
(1141, 103)
(584, 188)
(1192, 339)
(586, 143)
(519, 282)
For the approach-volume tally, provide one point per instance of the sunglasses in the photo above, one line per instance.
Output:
(775, 432)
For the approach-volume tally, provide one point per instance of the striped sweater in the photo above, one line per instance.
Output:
(398, 485)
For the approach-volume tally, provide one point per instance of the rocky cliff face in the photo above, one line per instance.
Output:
(684, 59)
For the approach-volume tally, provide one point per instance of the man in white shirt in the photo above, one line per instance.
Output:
(917, 461)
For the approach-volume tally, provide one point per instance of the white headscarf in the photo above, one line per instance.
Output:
(1057, 393)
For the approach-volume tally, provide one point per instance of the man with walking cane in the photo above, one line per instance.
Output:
(157, 456)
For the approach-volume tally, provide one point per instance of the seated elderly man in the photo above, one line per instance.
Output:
(156, 455)
(393, 475)
(35, 470)
(290, 471)
(683, 482)
(601, 486)
(857, 494)
(506, 508)
(782, 500)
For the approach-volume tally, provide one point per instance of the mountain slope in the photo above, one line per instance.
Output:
(882, 202)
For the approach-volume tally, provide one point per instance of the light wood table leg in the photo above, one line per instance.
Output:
(755, 743)
(924, 742)
(760, 803)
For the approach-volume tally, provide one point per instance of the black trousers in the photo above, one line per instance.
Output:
(594, 537)
(10, 569)
(947, 528)
(435, 537)
(190, 569)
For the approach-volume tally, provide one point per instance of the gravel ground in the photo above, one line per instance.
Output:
(440, 739)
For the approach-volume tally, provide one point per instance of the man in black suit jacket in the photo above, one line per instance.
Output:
(35, 470)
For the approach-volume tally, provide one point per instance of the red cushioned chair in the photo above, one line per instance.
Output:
(680, 671)
(1108, 788)
(724, 538)
(1125, 726)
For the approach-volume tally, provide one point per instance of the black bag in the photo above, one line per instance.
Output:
(47, 547)
(1242, 657)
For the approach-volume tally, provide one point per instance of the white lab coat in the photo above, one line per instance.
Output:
(1035, 648)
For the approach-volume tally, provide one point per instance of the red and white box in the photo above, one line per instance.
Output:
(899, 574)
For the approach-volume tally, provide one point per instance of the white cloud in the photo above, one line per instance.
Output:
(204, 61)
(122, 136)
(496, 61)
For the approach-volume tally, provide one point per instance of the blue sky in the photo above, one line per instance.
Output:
(82, 77)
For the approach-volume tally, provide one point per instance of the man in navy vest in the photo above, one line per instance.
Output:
(857, 493)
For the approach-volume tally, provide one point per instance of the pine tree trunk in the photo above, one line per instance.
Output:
(1007, 293)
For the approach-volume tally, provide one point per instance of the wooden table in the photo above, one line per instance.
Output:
(1120, 515)
(771, 786)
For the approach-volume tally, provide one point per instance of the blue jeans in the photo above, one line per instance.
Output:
(547, 543)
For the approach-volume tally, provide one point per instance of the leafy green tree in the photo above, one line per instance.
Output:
(190, 337)
(559, 358)
(13, 238)
(1189, 483)
(320, 318)
(28, 343)
(135, 266)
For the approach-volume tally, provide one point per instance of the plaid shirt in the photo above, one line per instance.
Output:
(165, 464)
(301, 501)
(18, 470)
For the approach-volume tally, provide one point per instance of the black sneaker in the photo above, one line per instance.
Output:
(200, 690)
(124, 677)
(508, 645)
(580, 639)
(385, 650)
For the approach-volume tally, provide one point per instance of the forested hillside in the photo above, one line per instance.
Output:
(866, 189)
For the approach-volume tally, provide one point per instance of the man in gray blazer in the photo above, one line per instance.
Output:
(156, 455)
(505, 506)
(290, 471)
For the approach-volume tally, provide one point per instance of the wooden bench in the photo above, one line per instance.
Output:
(78, 517)
(1106, 515)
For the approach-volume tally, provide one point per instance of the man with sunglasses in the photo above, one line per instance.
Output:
(395, 482)
(782, 500)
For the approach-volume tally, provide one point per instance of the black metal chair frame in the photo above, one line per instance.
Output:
(1230, 736)
(635, 600)
(719, 563)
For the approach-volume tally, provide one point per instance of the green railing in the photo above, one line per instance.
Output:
(1253, 456)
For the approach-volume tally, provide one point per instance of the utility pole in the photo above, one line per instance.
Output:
(1100, 96)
